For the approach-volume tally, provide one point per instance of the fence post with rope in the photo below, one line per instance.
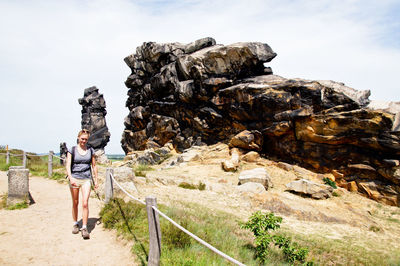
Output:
(109, 191)
(50, 164)
(154, 231)
(24, 159)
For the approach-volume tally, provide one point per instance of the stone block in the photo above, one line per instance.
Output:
(18, 185)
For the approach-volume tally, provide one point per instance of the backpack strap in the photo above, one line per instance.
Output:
(72, 156)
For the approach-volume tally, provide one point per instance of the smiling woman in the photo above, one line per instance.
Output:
(80, 160)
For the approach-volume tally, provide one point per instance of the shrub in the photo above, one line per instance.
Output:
(200, 186)
(329, 182)
(260, 224)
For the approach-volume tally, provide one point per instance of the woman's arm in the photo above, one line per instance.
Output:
(68, 168)
(95, 178)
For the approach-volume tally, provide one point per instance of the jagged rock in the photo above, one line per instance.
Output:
(149, 157)
(314, 190)
(256, 175)
(374, 190)
(247, 140)
(93, 119)
(252, 187)
(204, 93)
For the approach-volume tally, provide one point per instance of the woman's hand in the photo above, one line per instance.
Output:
(96, 184)
(72, 181)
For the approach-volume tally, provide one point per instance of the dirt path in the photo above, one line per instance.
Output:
(41, 234)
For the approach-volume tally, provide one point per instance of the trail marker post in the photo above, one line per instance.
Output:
(154, 232)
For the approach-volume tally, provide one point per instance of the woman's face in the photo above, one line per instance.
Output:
(83, 139)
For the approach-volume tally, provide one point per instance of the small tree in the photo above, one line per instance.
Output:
(260, 224)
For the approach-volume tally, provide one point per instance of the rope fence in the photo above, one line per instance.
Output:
(154, 225)
(26, 156)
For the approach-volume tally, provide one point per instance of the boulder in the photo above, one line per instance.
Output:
(309, 188)
(232, 165)
(256, 175)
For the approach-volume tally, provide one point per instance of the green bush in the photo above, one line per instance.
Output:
(261, 225)
(329, 182)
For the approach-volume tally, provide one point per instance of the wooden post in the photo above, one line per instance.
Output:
(50, 164)
(8, 157)
(109, 191)
(154, 232)
(24, 159)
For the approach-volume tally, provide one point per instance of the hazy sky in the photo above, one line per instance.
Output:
(50, 51)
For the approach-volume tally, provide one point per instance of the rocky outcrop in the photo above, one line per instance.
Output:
(204, 92)
(93, 119)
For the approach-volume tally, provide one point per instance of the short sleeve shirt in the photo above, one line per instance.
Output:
(81, 163)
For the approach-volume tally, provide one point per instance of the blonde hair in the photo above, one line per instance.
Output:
(84, 131)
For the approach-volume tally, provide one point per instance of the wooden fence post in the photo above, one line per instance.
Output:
(50, 164)
(24, 159)
(109, 191)
(154, 232)
(8, 157)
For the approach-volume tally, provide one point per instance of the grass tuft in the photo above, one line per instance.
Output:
(200, 186)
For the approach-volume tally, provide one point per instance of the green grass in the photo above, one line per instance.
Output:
(141, 169)
(217, 228)
(37, 165)
(200, 186)
(18, 206)
(222, 230)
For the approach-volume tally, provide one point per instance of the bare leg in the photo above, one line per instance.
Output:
(85, 202)
(75, 202)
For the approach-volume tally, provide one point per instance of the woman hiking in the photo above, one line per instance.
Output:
(80, 159)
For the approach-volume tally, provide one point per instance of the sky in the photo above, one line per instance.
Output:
(50, 51)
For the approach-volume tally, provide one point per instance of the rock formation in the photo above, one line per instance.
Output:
(93, 119)
(204, 92)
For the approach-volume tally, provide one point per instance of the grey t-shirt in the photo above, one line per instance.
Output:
(81, 166)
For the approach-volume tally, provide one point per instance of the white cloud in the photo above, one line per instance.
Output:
(52, 50)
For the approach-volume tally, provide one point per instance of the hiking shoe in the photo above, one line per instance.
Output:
(75, 229)
(85, 233)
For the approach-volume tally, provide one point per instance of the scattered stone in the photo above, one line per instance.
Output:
(233, 164)
(314, 190)
(251, 157)
(252, 187)
(256, 175)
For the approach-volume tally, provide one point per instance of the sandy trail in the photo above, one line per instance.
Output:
(41, 234)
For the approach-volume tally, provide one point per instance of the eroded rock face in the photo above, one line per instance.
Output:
(206, 93)
(93, 119)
